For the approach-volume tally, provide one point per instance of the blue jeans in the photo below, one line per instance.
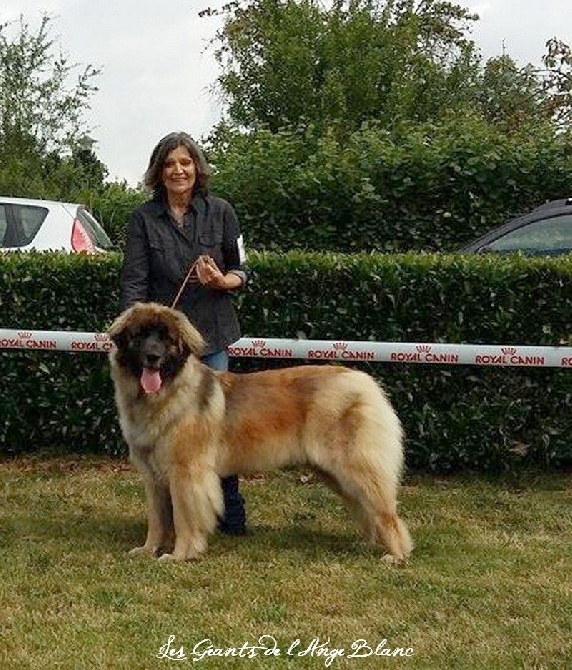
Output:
(217, 361)
(234, 519)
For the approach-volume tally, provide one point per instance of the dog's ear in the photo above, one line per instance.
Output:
(119, 339)
(190, 339)
(184, 349)
(118, 330)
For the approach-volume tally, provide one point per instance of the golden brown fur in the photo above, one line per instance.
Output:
(204, 424)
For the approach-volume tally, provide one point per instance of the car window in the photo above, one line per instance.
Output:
(27, 221)
(3, 225)
(548, 235)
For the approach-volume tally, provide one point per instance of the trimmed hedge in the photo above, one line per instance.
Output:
(455, 417)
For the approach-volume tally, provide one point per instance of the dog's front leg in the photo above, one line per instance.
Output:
(197, 502)
(160, 518)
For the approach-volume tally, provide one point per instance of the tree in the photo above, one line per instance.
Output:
(290, 61)
(558, 82)
(42, 127)
(37, 103)
(377, 123)
(509, 96)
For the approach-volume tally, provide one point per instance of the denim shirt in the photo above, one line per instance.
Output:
(159, 253)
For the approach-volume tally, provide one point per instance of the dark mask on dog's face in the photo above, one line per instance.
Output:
(151, 354)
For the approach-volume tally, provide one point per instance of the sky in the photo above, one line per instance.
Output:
(158, 70)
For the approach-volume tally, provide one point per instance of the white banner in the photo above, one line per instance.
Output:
(322, 350)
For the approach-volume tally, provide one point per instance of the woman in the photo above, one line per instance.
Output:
(180, 226)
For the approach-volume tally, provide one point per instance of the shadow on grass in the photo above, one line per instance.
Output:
(300, 542)
(101, 532)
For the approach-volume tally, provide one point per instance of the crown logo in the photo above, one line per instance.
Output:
(340, 346)
(423, 348)
(25, 334)
(258, 344)
(101, 337)
(508, 351)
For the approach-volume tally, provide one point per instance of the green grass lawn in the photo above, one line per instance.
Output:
(489, 584)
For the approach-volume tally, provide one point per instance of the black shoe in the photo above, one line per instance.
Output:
(233, 521)
(232, 529)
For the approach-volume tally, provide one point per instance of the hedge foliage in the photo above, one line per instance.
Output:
(455, 417)
(424, 187)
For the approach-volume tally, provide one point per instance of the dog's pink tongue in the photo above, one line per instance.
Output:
(150, 380)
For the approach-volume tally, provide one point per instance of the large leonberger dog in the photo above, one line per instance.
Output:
(187, 425)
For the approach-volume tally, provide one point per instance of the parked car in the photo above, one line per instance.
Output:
(40, 225)
(546, 231)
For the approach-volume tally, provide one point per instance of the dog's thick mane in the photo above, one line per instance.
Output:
(143, 414)
(149, 314)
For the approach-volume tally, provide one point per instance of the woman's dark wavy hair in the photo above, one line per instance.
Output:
(153, 178)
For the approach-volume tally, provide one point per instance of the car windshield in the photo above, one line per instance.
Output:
(547, 236)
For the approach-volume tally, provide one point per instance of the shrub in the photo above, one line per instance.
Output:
(427, 187)
(455, 417)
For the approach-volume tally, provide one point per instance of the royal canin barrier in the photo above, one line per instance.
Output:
(322, 350)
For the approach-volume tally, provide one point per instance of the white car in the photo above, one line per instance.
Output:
(42, 225)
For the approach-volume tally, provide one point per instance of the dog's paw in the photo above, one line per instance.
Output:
(168, 558)
(142, 551)
(180, 556)
(390, 559)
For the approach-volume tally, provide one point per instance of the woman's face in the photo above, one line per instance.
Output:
(179, 172)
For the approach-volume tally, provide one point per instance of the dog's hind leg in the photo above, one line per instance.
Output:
(371, 498)
(197, 503)
(363, 453)
(382, 524)
(354, 506)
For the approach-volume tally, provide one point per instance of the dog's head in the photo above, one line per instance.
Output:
(153, 343)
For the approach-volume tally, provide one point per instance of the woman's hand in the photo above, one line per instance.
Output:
(209, 274)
